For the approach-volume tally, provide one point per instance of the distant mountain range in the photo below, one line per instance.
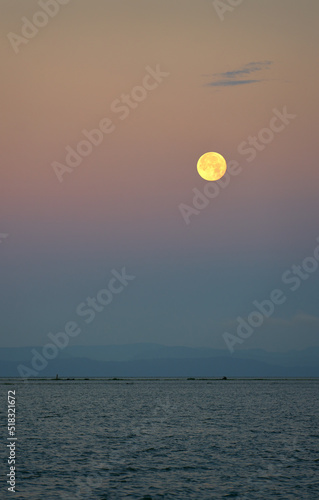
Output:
(155, 360)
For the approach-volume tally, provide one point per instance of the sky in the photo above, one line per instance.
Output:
(167, 81)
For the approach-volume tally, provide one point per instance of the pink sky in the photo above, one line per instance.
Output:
(123, 199)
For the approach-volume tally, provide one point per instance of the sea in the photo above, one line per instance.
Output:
(114, 439)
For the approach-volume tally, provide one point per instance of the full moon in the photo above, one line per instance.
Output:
(211, 166)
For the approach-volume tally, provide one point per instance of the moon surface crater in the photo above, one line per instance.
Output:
(211, 166)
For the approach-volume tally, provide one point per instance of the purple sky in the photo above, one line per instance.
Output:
(161, 83)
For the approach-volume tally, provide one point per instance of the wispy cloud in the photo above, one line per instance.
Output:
(228, 83)
(232, 78)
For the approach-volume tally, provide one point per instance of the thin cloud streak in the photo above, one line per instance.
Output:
(228, 83)
(232, 78)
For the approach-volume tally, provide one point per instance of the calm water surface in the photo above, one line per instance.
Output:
(164, 439)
